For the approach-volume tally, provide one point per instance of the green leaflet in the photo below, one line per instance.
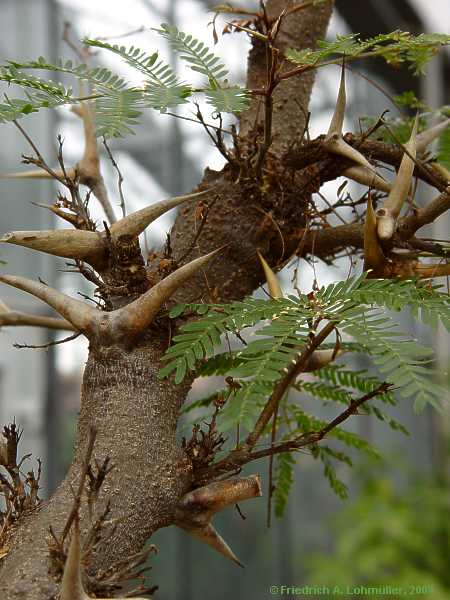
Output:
(196, 53)
(353, 305)
(219, 94)
(396, 47)
(162, 89)
(284, 478)
(197, 340)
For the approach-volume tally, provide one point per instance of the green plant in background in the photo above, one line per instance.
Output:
(393, 533)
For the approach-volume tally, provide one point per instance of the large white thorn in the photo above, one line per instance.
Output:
(67, 243)
(337, 120)
(273, 284)
(334, 142)
(425, 138)
(135, 223)
(367, 177)
(392, 206)
(196, 509)
(20, 319)
(84, 318)
(133, 319)
(208, 535)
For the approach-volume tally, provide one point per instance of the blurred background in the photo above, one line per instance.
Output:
(394, 526)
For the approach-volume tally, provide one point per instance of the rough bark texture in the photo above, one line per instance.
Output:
(299, 30)
(136, 415)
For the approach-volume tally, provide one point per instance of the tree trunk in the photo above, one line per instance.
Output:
(136, 414)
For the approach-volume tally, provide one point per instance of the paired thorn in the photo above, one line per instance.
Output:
(197, 508)
(388, 214)
(135, 223)
(334, 142)
(337, 120)
(89, 245)
(137, 316)
(273, 284)
(122, 325)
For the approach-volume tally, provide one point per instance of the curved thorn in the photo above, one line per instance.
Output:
(79, 314)
(208, 535)
(373, 255)
(337, 120)
(67, 243)
(19, 319)
(196, 509)
(133, 319)
(273, 284)
(135, 223)
(429, 135)
(369, 178)
(402, 183)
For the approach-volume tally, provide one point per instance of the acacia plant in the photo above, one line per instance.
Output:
(160, 319)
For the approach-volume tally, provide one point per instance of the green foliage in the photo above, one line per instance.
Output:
(336, 383)
(384, 536)
(280, 331)
(196, 53)
(118, 105)
(352, 305)
(38, 94)
(283, 479)
(162, 89)
(395, 48)
(219, 94)
(198, 339)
